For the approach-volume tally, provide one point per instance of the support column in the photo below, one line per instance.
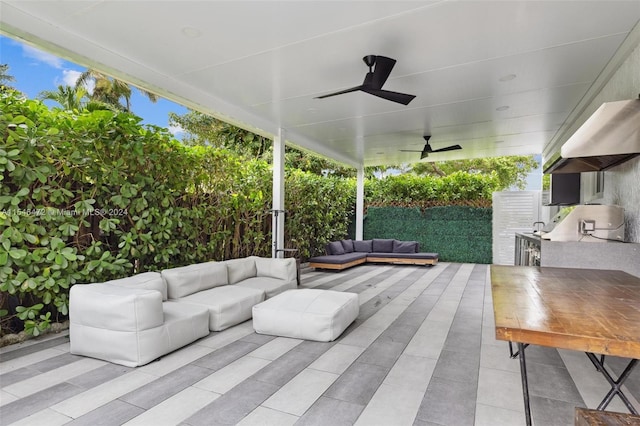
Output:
(360, 203)
(278, 195)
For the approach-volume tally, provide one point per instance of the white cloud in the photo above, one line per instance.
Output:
(39, 55)
(69, 77)
(175, 129)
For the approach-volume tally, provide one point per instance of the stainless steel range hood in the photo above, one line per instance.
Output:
(608, 138)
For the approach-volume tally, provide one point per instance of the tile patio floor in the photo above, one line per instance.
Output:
(422, 352)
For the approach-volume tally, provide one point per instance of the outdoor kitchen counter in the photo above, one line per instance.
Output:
(606, 255)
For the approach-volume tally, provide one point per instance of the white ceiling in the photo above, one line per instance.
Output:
(260, 64)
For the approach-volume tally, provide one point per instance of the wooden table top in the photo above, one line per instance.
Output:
(586, 310)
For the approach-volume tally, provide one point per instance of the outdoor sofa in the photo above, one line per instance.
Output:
(347, 253)
(133, 321)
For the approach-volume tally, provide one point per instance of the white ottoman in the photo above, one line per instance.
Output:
(308, 314)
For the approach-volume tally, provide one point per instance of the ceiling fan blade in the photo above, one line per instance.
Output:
(424, 153)
(448, 148)
(401, 98)
(381, 71)
(341, 92)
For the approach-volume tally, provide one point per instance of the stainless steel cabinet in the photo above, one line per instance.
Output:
(527, 250)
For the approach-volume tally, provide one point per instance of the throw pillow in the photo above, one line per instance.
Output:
(363, 246)
(347, 245)
(405, 246)
(335, 247)
(382, 246)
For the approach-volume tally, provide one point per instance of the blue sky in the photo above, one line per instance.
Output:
(35, 71)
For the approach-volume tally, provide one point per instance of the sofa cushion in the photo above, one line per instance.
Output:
(123, 309)
(364, 246)
(347, 245)
(338, 259)
(241, 269)
(228, 305)
(270, 286)
(422, 255)
(146, 281)
(184, 323)
(187, 280)
(283, 269)
(309, 314)
(382, 246)
(335, 247)
(405, 246)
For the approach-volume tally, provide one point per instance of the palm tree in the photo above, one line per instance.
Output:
(4, 77)
(73, 98)
(110, 90)
(68, 97)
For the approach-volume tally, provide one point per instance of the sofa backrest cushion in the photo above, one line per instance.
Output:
(382, 246)
(241, 269)
(191, 279)
(113, 307)
(146, 280)
(405, 246)
(363, 246)
(284, 269)
(335, 247)
(347, 245)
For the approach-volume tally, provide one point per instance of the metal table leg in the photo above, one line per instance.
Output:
(525, 383)
(513, 354)
(616, 385)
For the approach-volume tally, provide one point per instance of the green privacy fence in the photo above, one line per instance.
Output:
(457, 233)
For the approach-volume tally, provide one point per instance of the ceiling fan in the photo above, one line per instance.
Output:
(379, 69)
(428, 150)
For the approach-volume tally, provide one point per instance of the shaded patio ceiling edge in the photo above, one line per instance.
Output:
(241, 118)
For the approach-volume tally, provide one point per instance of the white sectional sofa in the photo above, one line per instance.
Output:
(132, 321)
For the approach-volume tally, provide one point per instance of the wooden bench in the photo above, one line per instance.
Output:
(586, 417)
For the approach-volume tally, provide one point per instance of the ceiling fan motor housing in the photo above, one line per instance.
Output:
(370, 60)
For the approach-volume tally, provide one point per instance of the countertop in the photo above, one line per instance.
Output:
(605, 255)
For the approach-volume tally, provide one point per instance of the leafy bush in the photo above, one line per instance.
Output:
(418, 190)
(319, 210)
(92, 196)
(88, 196)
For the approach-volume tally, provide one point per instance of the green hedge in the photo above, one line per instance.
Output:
(92, 196)
(456, 233)
(414, 190)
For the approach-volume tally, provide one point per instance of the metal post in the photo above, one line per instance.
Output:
(276, 247)
(278, 192)
(360, 204)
